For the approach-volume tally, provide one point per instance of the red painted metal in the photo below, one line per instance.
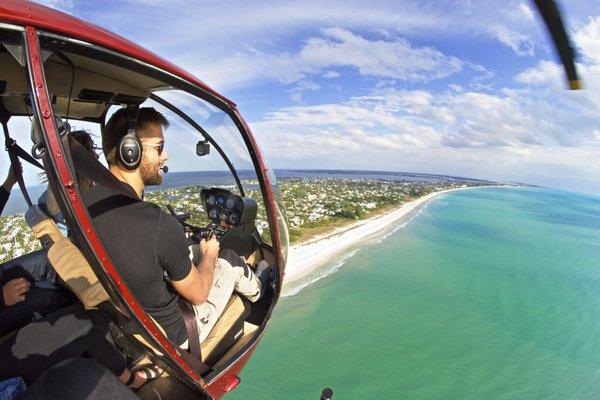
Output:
(219, 386)
(28, 13)
(78, 208)
(234, 380)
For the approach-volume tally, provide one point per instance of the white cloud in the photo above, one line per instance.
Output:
(331, 74)
(300, 87)
(545, 73)
(336, 47)
(588, 40)
(494, 136)
(520, 43)
(520, 13)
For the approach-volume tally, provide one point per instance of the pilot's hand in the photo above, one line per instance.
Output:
(15, 290)
(210, 249)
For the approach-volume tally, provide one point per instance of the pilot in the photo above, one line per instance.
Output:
(149, 247)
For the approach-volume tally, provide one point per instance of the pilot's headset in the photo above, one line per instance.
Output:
(129, 147)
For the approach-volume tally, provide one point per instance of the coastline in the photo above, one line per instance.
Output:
(308, 256)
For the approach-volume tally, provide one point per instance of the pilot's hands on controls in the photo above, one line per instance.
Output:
(11, 178)
(210, 249)
(15, 290)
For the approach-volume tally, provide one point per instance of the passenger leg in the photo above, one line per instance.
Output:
(44, 297)
(67, 333)
(78, 378)
(34, 266)
(230, 273)
(38, 302)
(246, 282)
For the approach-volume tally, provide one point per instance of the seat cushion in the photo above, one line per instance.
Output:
(228, 329)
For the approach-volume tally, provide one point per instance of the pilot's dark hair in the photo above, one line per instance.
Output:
(116, 128)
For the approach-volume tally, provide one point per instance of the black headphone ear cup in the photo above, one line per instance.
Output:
(129, 152)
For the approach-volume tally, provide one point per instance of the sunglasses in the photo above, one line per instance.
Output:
(159, 147)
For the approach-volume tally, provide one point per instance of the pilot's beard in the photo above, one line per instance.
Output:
(149, 172)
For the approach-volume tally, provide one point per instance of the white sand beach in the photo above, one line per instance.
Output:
(304, 258)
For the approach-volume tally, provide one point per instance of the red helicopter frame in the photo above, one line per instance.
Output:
(37, 33)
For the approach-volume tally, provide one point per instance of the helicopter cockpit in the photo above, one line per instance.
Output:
(218, 183)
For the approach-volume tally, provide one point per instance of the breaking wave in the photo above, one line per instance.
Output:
(415, 215)
(318, 275)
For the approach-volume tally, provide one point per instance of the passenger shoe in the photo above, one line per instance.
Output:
(147, 373)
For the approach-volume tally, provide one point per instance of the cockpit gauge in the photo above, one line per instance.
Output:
(230, 202)
(211, 200)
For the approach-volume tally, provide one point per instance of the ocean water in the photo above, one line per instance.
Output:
(486, 294)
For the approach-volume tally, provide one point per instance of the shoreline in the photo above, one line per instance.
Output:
(306, 257)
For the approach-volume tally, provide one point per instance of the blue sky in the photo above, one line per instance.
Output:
(467, 88)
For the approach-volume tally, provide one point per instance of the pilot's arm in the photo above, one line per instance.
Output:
(196, 285)
(191, 282)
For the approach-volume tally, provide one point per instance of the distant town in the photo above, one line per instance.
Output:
(313, 205)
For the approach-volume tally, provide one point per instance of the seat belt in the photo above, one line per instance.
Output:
(14, 153)
(89, 167)
(191, 326)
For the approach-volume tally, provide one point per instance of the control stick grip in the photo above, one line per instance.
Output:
(204, 233)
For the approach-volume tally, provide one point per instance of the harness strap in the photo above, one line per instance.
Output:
(14, 152)
(88, 166)
(191, 326)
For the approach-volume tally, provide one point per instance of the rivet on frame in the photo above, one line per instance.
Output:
(47, 113)
(40, 85)
(35, 58)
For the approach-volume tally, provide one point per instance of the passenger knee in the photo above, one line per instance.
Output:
(231, 256)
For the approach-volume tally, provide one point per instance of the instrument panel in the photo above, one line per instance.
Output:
(226, 208)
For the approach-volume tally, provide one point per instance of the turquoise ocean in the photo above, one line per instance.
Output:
(483, 294)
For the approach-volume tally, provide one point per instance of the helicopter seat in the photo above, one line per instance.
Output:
(72, 267)
(67, 260)
(227, 331)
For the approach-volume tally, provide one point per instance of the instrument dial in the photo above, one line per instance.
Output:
(213, 214)
(230, 203)
(211, 200)
(234, 219)
(223, 217)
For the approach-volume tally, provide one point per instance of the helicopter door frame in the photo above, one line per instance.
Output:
(77, 215)
(62, 178)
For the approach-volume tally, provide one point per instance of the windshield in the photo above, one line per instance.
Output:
(228, 158)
